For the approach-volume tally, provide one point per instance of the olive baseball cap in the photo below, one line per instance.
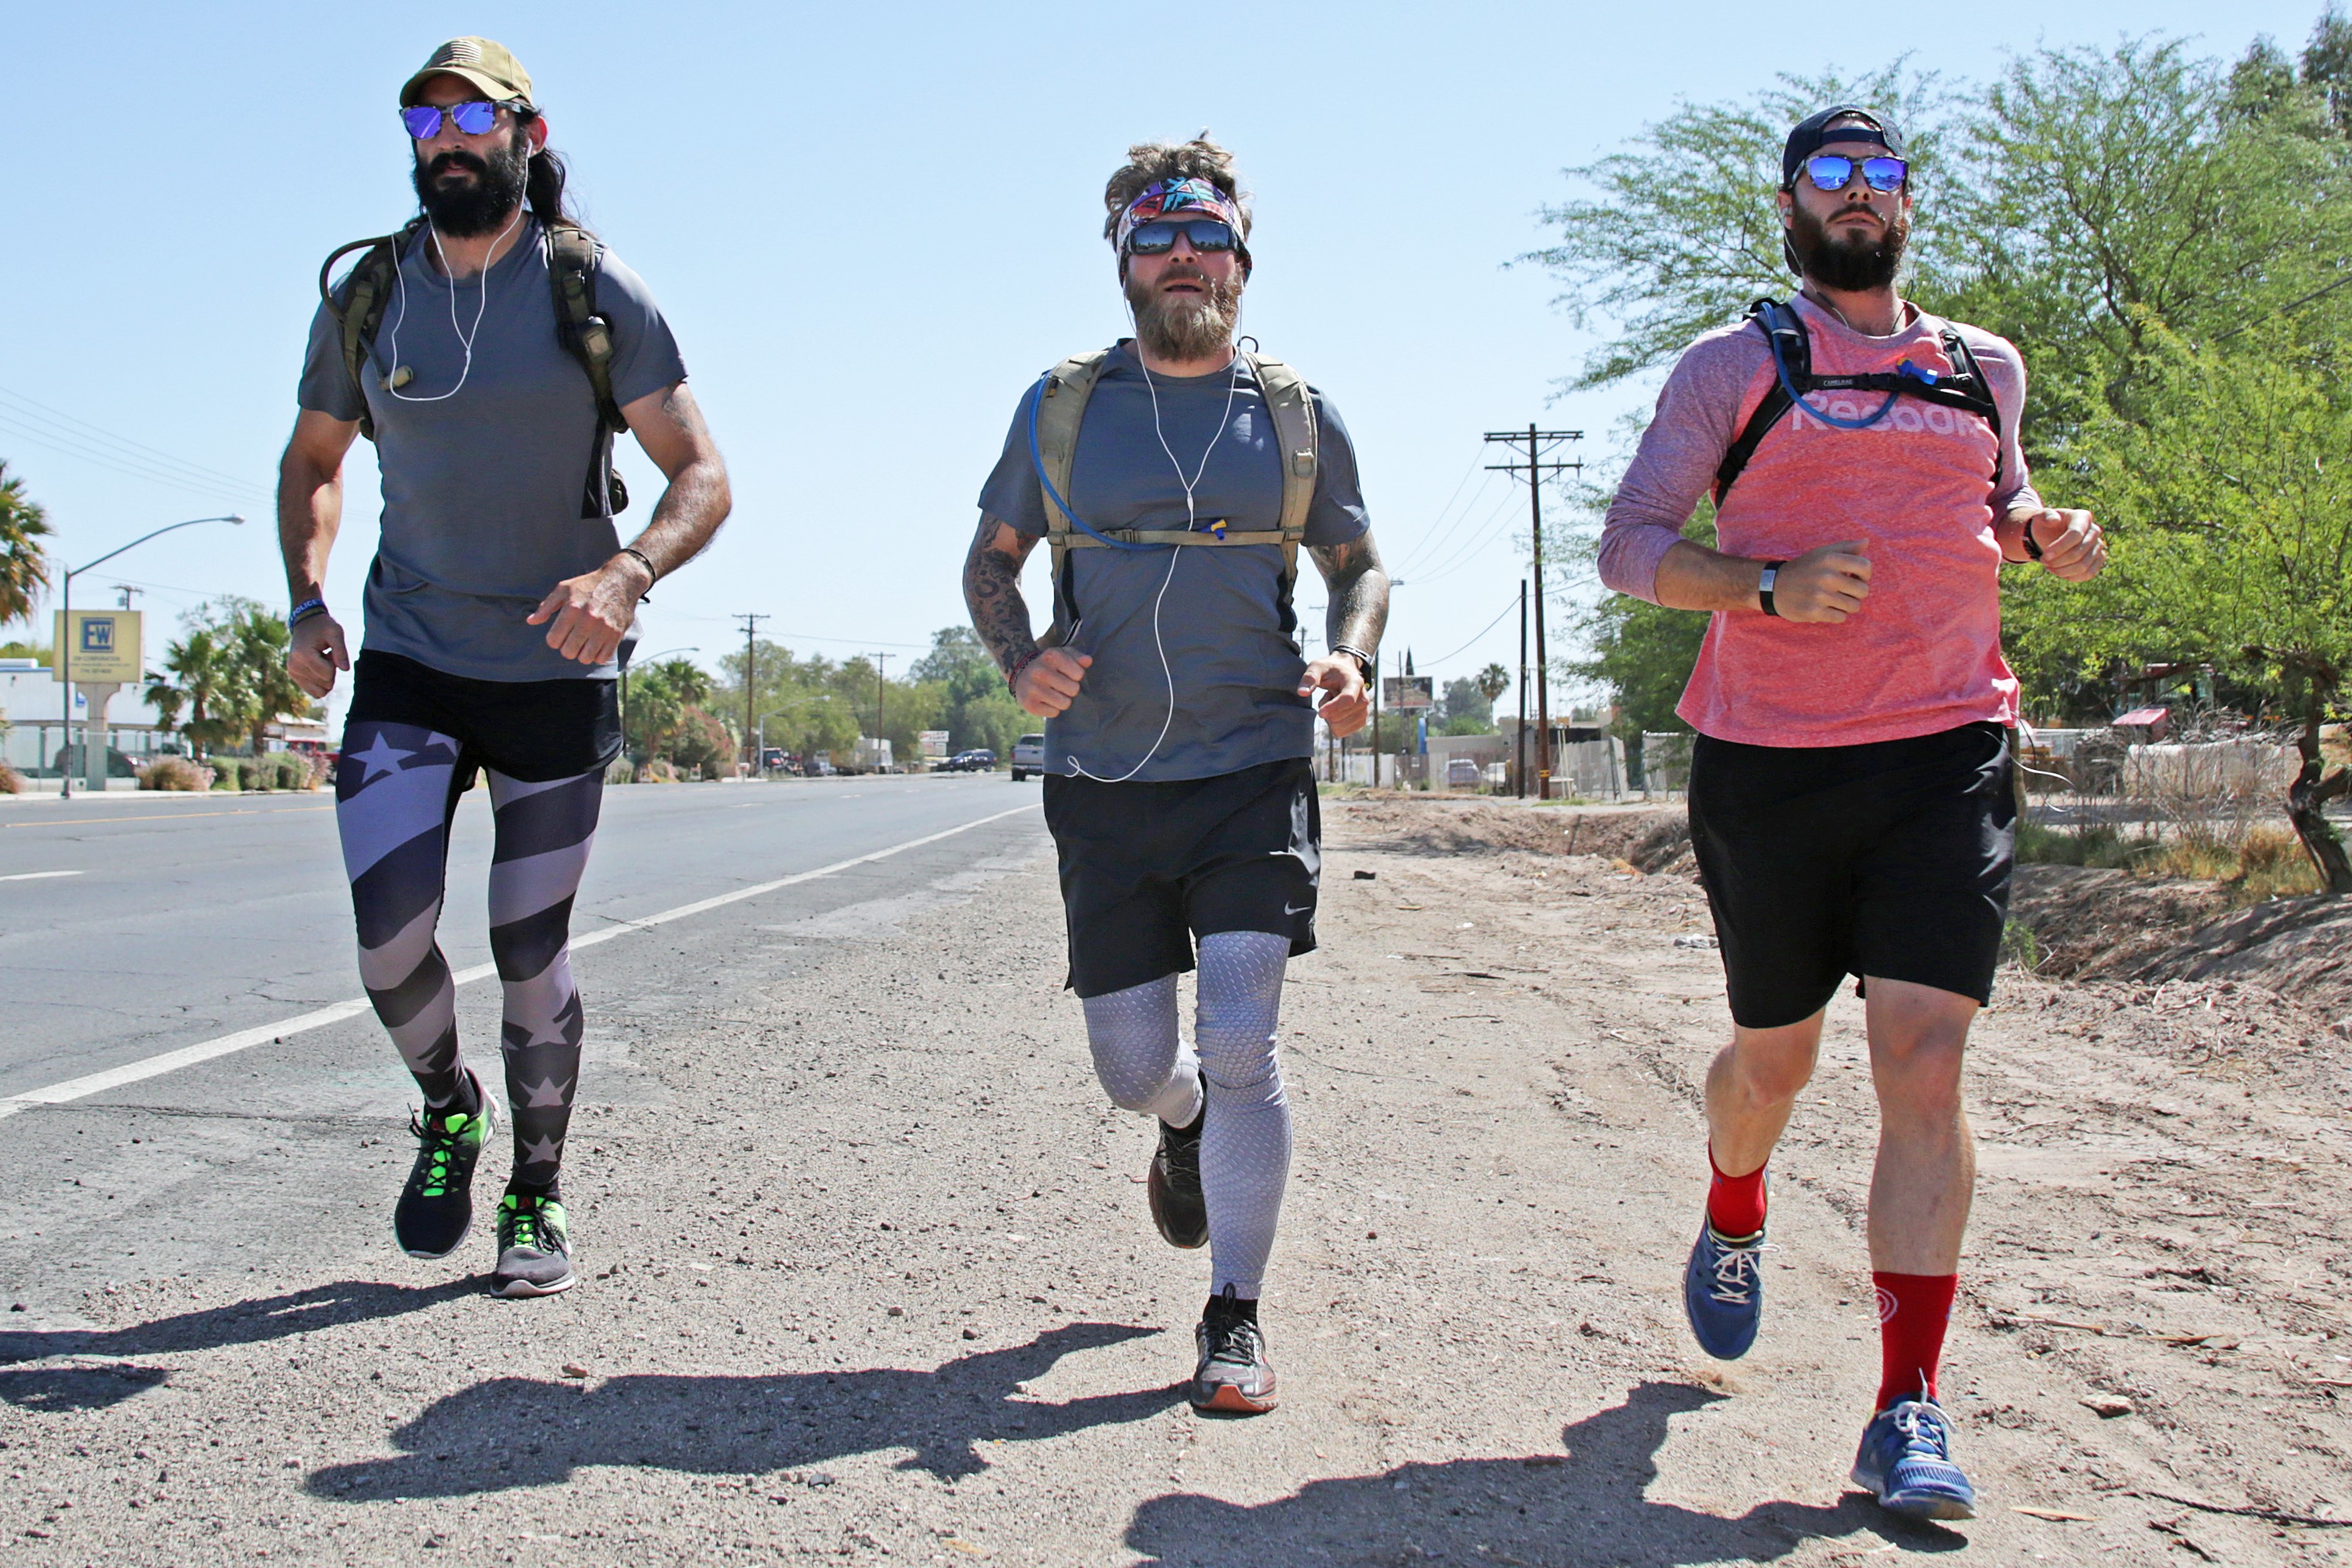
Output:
(487, 63)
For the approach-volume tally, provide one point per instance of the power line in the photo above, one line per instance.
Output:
(1512, 604)
(1439, 529)
(34, 421)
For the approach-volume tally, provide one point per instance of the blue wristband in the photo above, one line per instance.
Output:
(304, 611)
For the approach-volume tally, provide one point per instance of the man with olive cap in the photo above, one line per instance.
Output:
(1851, 800)
(492, 350)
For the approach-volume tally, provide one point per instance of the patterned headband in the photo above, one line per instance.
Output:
(1163, 198)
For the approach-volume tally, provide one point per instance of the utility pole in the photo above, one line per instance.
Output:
(880, 687)
(126, 590)
(1519, 750)
(751, 677)
(1539, 443)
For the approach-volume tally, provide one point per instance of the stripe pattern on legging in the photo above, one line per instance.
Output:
(396, 791)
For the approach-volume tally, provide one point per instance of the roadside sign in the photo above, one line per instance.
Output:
(934, 742)
(106, 647)
(1409, 690)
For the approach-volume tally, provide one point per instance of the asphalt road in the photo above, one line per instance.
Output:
(133, 925)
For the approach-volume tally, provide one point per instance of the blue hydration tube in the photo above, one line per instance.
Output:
(1038, 458)
(1779, 368)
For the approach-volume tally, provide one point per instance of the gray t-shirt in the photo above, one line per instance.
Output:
(482, 490)
(1236, 666)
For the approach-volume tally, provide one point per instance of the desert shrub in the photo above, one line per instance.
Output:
(173, 774)
(288, 770)
(620, 771)
(11, 781)
(226, 774)
(2272, 864)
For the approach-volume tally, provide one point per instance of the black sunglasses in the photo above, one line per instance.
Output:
(1834, 171)
(1209, 235)
(474, 116)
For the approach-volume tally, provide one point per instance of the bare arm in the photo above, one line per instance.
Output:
(1042, 682)
(1825, 584)
(1356, 616)
(591, 612)
(310, 512)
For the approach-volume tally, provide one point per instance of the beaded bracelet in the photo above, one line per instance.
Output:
(1012, 676)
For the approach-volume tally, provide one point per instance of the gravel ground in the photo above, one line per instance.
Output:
(871, 1278)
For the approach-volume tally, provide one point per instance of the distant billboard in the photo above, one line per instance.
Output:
(102, 646)
(1409, 691)
(934, 742)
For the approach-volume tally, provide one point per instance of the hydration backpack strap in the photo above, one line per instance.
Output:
(1062, 407)
(1291, 408)
(1971, 382)
(359, 312)
(573, 255)
(1785, 331)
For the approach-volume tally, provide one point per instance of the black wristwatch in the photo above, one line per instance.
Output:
(1365, 664)
(1764, 585)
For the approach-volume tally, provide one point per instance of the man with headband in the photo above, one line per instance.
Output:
(493, 350)
(1851, 799)
(1176, 480)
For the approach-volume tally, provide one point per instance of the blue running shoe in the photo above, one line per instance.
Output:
(1723, 1292)
(1907, 1463)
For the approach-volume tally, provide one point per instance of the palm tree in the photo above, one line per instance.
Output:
(24, 565)
(166, 698)
(1492, 681)
(206, 683)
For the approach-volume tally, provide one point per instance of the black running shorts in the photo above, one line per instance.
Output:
(1148, 867)
(1890, 860)
(534, 731)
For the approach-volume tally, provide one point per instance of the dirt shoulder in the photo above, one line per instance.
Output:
(872, 1279)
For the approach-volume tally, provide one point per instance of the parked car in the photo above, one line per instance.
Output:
(1463, 772)
(1028, 756)
(775, 760)
(976, 760)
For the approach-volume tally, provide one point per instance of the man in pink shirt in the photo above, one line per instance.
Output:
(1851, 793)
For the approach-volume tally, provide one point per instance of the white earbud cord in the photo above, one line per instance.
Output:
(465, 339)
(1175, 551)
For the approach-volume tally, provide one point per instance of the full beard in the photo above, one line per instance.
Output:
(1187, 327)
(1853, 265)
(484, 204)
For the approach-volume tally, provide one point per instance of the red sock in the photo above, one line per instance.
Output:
(1735, 1205)
(1913, 1309)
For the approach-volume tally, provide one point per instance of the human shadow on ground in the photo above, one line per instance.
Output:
(512, 1432)
(1584, 1507)
(51, 1389)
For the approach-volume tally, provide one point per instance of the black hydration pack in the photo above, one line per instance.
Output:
(1963, 387)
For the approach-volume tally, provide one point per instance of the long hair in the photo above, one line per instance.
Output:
(543, 182)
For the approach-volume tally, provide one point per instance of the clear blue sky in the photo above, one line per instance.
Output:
(871, 227)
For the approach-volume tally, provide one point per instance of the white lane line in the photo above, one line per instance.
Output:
(226, 1045)
(36, 876)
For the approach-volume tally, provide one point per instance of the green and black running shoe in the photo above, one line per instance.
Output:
(437, 1207)
(534, 1246)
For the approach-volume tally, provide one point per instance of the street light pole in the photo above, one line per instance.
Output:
(64, 632)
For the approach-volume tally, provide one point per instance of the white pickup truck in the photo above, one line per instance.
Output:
(1028, 756)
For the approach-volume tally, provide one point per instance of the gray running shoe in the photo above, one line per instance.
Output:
(1235, 1378)
(534, 1248)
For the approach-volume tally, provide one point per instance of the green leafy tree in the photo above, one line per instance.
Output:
(228, 670)
(257, 641)
(24, 564)
(977, 710)
(2229, 510)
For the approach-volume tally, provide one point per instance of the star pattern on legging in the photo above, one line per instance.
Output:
(542, 1151)
(547, 1092)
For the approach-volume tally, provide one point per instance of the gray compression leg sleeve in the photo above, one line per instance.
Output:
(1245, 1146)
(1138, 1054)
(392, 799)
(544, 833)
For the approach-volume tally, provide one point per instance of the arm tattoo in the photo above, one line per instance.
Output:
(991, 590)
(1359, 610)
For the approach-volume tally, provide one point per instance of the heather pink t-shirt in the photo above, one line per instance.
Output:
(1924, 654)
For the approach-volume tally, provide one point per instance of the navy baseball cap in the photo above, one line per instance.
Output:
(1813, 132)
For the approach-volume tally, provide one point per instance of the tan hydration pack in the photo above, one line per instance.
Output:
(572, 260)
(1061, 405)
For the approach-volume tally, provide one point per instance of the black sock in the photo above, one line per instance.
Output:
(1226, 1307)
(519, 1188)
